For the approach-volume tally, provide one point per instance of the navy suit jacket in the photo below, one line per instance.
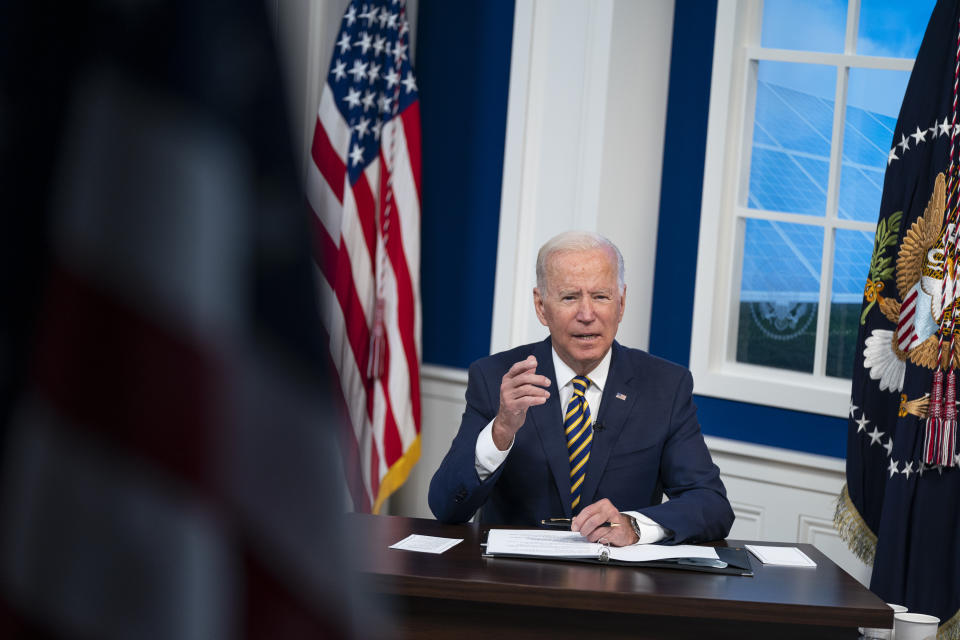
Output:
(646, 442)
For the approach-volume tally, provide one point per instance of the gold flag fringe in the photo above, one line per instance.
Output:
(853, 530)
(950, 630)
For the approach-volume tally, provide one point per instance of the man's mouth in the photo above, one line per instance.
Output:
(586, 337)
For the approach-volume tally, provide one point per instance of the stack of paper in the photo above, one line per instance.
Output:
(539, 543)
(781, 556)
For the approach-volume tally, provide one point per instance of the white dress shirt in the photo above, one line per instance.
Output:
(488, 457)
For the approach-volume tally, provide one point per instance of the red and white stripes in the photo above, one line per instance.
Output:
(906, 331)
(350, 241)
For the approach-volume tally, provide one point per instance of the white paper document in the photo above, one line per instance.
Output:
(426, 544)
(570, 544)
(781, 556)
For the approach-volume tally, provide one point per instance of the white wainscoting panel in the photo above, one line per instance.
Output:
(749, 520)
(793, 492)
(778, 495)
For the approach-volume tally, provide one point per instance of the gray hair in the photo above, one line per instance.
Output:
(575, 241)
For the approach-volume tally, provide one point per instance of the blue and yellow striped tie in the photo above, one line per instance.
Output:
(579, 430)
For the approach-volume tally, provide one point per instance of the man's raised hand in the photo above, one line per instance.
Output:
(520, 388)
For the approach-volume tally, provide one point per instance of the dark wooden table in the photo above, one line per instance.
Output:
(460, 594)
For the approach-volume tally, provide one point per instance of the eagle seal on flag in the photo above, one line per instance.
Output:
(926, 290)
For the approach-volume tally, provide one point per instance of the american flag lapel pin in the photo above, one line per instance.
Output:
(621, 396)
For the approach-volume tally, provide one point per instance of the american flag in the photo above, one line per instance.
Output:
(363, 186)
(165, 459)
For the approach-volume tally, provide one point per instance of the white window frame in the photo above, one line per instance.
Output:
(723, 216)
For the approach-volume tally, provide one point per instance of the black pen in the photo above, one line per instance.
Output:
(564, 523)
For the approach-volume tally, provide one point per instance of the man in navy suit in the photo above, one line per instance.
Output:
(579, 426)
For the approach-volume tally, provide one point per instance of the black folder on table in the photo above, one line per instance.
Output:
(732, 561)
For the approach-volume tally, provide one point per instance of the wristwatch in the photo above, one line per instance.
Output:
(634, 524)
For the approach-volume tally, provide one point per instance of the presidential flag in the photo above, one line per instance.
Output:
(899, 509)
(363, 186)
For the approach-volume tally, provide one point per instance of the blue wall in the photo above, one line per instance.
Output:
(680, 193)
(463, 75)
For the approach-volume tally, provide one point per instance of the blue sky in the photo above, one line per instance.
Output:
(892, 28)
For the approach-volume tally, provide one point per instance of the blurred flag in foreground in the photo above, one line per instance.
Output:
(363, 188)
(166, 469)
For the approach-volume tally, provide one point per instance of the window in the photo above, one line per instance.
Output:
(805, 96)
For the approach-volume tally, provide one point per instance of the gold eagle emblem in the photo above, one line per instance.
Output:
(926, 291)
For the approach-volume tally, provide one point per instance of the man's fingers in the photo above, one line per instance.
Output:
(593, 529)
(581, 519)
(615, 536)
(593, 515)
(594, 524)
(525, 391)
(531, 378)
(523, 379)
(521, 388)
(522, 403)
(524, 365)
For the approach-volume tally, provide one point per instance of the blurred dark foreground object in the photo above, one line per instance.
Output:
(167, 467)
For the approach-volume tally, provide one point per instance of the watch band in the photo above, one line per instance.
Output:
(634, 524)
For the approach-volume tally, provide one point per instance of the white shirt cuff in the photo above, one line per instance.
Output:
(650, 531)
(488, 457)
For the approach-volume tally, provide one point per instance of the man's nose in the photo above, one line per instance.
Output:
(586, 312)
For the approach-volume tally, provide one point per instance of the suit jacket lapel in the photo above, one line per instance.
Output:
(616, 405)
(548, 421)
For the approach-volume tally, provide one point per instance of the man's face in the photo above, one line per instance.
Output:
(582, 305)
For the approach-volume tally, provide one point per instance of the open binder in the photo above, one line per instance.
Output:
(536, 544)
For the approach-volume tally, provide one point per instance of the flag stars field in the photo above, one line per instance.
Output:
(365, 42)
(356, 155)
(359, 70)
(392, 78)
(409, 83)
(353, 98)
(339, 70)
(371, 72)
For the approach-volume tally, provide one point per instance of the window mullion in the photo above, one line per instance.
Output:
(823, 310)
(738, 225)
(853, 27)
(833, 200)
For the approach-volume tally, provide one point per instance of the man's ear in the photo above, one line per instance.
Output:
(538, 307)
(623, 302)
